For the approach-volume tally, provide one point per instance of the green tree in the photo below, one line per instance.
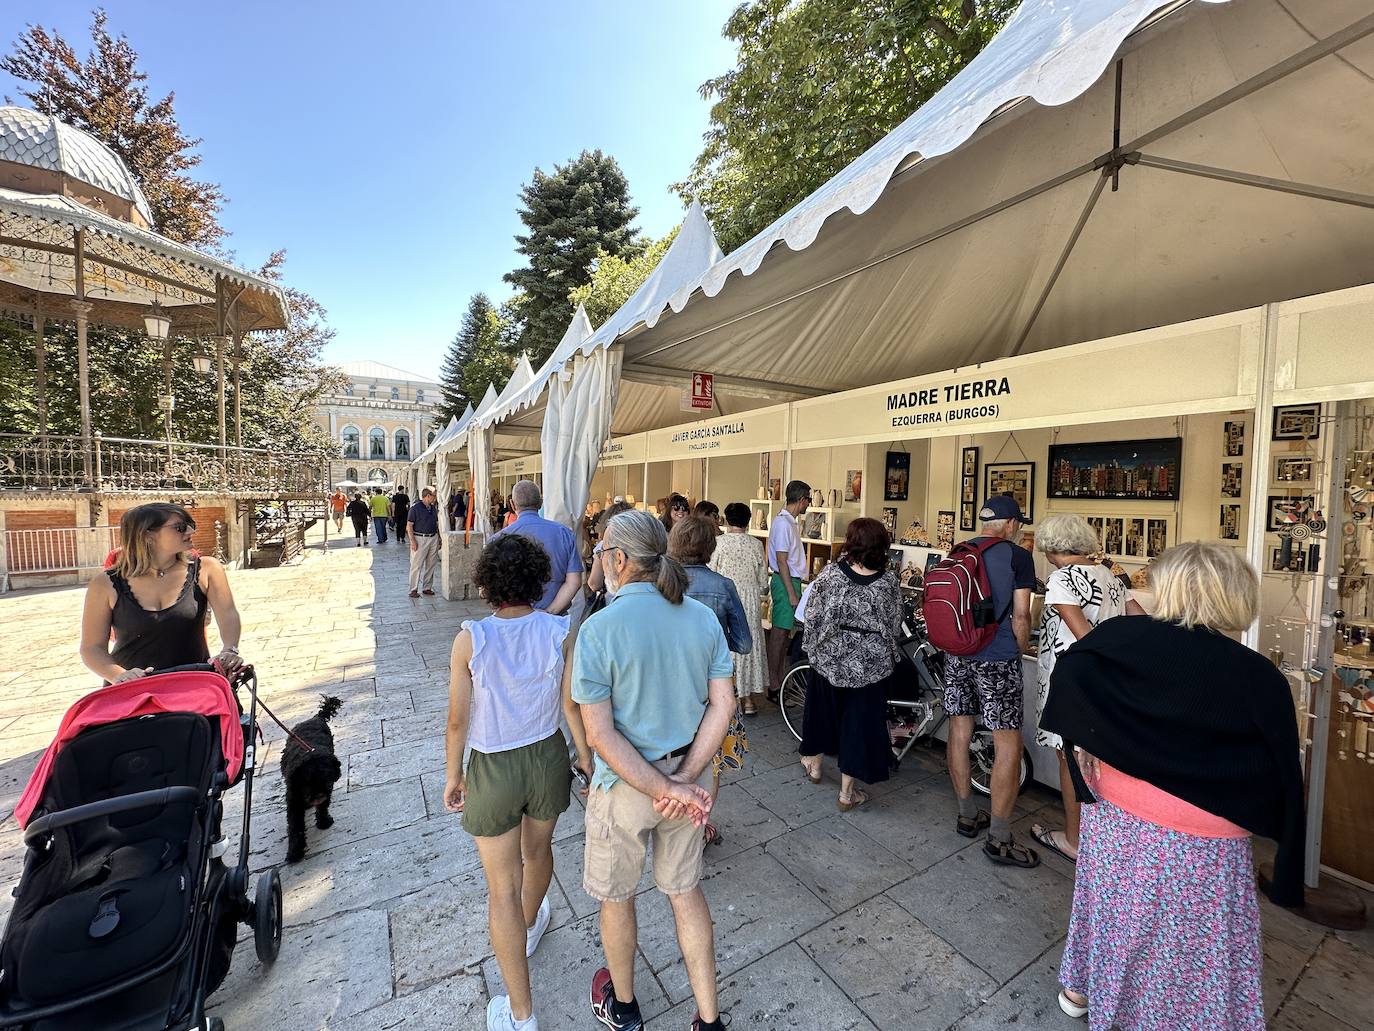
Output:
(106, 95)
(579, 211)
(482, 352)
(818, 82)
(614, 279)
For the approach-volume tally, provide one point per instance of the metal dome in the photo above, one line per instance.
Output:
(42, 141)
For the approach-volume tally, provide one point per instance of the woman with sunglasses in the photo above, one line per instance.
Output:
(679, 508)
(154, 598)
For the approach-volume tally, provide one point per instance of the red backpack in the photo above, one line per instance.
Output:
(958, 600)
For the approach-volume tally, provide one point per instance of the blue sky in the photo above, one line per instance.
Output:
(383, 145)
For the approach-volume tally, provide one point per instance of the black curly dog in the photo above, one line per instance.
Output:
(310, 775)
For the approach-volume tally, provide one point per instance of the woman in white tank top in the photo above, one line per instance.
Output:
(507, 693)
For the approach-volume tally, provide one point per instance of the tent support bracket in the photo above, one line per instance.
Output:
(1226, 175)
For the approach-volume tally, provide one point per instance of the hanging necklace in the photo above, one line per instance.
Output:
(163, 572)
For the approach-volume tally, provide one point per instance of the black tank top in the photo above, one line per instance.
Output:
(174, 636)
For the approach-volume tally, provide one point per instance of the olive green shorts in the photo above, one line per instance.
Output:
(503, 787)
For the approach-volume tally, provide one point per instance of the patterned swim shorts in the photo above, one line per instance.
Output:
(991, 691)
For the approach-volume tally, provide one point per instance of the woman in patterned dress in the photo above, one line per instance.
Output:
(740, 557)
(1080, 594)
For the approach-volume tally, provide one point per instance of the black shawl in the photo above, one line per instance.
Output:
(1195, 714)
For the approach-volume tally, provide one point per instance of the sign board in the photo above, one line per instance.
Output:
(166, 402)
(703, 390)
(627, 450)
(764, 429)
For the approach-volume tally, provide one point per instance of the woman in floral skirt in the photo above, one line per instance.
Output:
(739, 557)
(1189, 744)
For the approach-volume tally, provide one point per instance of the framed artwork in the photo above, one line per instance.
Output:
(895, 558)
(1293, 470)
(1117, 470)
(765, 474)
(1230, 523)
(897, 478)
(1134, 543)
(968, 490)
(1112, 533)
(1291, 559)
(890, 522)
(1156, 537)
(933, 560)
(1014, 478)
(1233, 438)
(1232, 479)
(775, 489)
(760, 515)
(1297, 422)
(854, 485)
(944, 530)
(1284, 511)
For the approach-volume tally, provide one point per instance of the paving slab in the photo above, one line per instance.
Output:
(396, 762)
(458, 1003)
(742, 822)
(787, 793)
(840, 865)
(899, 972)
(1028, 1002)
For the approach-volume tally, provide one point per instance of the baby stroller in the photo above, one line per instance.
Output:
(125, 917)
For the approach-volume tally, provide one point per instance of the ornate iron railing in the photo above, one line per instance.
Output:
(116, 464)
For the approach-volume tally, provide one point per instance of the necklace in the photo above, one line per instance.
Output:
(163, 572)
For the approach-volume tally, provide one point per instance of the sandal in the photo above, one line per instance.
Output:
(857, 799)
(1009, 853)
(750, 709)
(1070, 1007)
(813, 776)
(1046, 837)
(712, 834)
(971, 828)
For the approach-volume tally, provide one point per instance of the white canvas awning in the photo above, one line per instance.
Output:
(1103, 166)
(454, 426)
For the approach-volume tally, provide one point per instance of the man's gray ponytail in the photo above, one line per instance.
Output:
(645, 543)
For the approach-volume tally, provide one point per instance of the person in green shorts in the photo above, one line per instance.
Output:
(507, 692)
(786, 566)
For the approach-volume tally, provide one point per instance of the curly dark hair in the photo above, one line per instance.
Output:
(512, 570)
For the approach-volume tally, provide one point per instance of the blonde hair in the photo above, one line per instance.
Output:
(135, 556)
(1066, 534)
(1207, 584)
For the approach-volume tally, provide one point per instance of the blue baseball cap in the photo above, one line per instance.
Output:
(1003, 506)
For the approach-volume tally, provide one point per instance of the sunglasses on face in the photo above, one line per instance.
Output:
(679, 508)
(179, 526)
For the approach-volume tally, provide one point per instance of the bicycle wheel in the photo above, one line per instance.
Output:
(792, 697)
(981, 752)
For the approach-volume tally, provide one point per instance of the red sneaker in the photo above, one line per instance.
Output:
(603, 995)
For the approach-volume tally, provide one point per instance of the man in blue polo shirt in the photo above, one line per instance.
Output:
(556, 539)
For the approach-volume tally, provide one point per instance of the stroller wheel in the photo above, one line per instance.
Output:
(267, 917)
(214, 1024)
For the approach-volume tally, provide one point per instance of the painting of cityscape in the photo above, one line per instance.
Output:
(1126, 470)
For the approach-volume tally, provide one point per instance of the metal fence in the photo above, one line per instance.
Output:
(54, 552)
(49, 462)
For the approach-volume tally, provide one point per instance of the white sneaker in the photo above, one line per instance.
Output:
(541, 924)
(499, 1017)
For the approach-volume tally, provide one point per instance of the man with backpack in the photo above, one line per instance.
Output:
(977, 608)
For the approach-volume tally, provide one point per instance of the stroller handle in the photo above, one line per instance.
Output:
(108, 807)
(236, 678)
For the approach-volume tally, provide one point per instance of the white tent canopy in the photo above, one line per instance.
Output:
(1026, 206)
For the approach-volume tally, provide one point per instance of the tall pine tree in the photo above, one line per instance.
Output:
(578, 212)
(480, 353)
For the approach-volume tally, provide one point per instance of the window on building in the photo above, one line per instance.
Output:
(402, 443)
(377, 476)
(430, 439)
(419, 395)
(351, 473)
(348, 390)
(395, 393)
(376, 442)
(351, 442)
(372, 392)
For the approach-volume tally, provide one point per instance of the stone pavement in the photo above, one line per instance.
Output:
(877, 919)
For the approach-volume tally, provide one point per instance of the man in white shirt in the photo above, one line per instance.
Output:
(787, 566)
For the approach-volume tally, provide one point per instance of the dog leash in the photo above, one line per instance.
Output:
(289, 732)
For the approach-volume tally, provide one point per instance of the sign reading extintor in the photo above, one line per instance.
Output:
(703, 390)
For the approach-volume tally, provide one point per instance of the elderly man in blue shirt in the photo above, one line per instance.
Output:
(654, 679)
(554, 538)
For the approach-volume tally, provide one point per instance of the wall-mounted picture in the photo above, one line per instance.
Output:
(765, 474)
(775, 489)
(1293, 471)
(1230, 523)
(895, 558)
(968, 493)
(933, 560)
(1285, 511)
(1297, 422)
(968, 488)
(966, 516)
(1014, 478)
(1233, 438)
(944, 530)
(970, 455)
(1112, 533)
(1135, 537)
(1156, 537)
(1292, 559)
(1232, 479)
(1098, 523)
(890, 522)
(897, 479)
(854, 485)
(1134, 470)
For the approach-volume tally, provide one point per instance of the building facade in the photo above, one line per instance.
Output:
(382, 420)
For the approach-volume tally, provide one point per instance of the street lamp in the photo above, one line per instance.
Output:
(202, 361)
(157, 324)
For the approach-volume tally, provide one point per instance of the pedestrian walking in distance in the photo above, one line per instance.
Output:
(380, 507)
(423, 525)
(359, 513)
(652, 673)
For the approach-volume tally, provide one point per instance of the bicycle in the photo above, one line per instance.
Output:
(915, 710)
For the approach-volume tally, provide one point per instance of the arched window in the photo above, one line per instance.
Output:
(395, 393)
(351, 442)
(419, 395)
(402, 444)
(348, 390)
(430, 439)
(377, 476)
(351, 473)
(376, 442)
(372, 392)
